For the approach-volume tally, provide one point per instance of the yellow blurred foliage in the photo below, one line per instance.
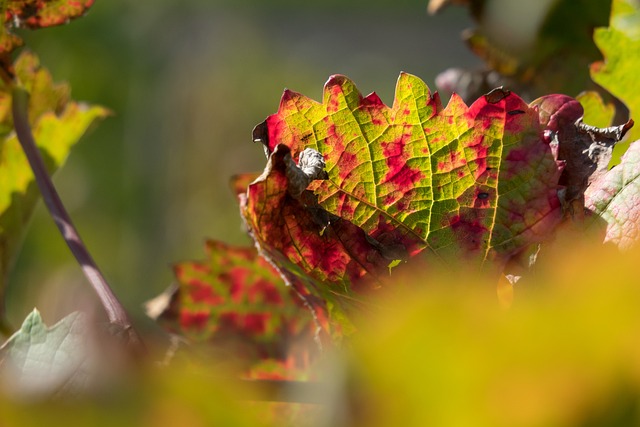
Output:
(447, 351)
(565, 353)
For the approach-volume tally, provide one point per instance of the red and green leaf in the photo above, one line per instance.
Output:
(474, 183)
(315, 251)
(236, 302)
(36, 14)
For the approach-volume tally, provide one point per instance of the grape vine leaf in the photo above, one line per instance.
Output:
(40, 361)
(615, 197)
(618, 73)
(466, 184)
(235, 301)
(58, 123)
(35, 14)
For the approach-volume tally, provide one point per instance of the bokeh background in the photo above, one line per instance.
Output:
(187, 81)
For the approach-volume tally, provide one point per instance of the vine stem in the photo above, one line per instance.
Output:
(116, 313)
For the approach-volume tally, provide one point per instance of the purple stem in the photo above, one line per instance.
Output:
(115, 311)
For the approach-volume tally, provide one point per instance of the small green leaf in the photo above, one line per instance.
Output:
(40, 361)
(620, 44)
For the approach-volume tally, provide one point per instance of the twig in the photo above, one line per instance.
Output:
(115, 311)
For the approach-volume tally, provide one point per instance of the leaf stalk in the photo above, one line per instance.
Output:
(116, 313)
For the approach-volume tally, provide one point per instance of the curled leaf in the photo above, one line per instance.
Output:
(585, 150)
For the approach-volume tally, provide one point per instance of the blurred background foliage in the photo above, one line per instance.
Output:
(187, 82)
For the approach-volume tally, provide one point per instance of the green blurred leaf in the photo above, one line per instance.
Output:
(39, 361)
(620, 44)
(57, 124)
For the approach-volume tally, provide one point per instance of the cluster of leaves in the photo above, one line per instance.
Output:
(355, 192)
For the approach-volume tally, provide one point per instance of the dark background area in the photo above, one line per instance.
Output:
(187, 81)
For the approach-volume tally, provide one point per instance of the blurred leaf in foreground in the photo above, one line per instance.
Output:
(238, 305)
(620, 44)
(38, 361)
(565, 354)
(58, 123)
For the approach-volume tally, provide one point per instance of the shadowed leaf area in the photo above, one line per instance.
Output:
(536, 47)
(474, 184)
(237, 305)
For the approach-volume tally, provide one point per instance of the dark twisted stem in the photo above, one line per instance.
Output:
(115, 311)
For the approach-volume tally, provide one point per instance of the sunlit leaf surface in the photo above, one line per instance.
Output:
(416, 179)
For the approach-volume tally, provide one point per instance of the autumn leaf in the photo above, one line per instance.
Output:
(57, 123)
(619, 44)
(319, 254)
(474, 183)
(441, 187)
(35, 14)
(238, 304)
(615, 198)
